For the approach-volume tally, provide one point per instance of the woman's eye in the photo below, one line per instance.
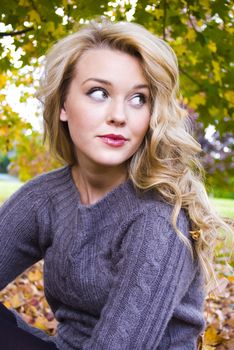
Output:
(98, 94)
(138, 100)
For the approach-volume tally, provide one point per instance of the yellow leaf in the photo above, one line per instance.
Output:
(28, 47)
(229, 96)
(158, 13)
(212, 46)
(212, 337)
(181, 49)
(41, 323)
(190, 35)
(230, 30)
(24, 3)
(213, 110)
(33, 310)
(50, 27)
(65, 3)
(34, 16)
(7, 304)
(193, 59)
(196, 100)
(206, 3)
(16, 301)
(35, 275)
(3, 80)
(230, 278)
(216, 70)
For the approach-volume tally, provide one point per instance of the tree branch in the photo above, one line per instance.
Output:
(191, 78)
(164, 18)
(14, 33)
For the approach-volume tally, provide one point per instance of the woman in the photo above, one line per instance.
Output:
(122, 259)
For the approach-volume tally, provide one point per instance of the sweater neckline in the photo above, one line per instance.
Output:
(113, 197)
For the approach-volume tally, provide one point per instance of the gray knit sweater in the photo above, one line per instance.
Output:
(116, 274)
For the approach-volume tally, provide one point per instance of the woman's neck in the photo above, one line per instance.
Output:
(93, 185)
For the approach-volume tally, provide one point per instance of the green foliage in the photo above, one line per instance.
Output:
(221, 191)
(31, 157)
(201, 33)
(12, 127)
(4, 161)
(39, 25)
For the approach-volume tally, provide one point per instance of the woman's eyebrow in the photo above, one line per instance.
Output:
(141, 86)
(106, 82)
(102, 81)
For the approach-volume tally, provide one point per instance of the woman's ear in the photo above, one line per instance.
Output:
(63, 115)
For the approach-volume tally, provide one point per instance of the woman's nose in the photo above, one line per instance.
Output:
(116, 113)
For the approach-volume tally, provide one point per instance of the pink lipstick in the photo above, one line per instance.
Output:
(113, 140)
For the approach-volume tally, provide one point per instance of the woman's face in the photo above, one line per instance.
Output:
(107, 108)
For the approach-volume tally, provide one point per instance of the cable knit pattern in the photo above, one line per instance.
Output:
(116, 274)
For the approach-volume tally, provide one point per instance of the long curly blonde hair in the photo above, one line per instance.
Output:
(167, 160)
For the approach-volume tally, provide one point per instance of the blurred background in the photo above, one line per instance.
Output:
(200, 32)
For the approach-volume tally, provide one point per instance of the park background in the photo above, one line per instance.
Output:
(201, 33)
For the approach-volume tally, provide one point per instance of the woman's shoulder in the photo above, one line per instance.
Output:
(155, 207)
(153, 201)
(44, 186)
(48, 182)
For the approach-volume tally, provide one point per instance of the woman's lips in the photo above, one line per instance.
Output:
(113, 140)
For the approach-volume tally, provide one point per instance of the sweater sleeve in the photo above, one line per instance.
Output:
(151, 278)
(20, 243)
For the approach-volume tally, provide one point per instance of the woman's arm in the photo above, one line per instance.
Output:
(21, 232)
(152, 277)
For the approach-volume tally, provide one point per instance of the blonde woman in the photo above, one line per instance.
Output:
(124, 226)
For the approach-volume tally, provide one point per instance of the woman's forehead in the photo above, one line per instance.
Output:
(109, 64)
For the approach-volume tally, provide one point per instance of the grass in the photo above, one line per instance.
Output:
(225, 207)
(7, 188)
